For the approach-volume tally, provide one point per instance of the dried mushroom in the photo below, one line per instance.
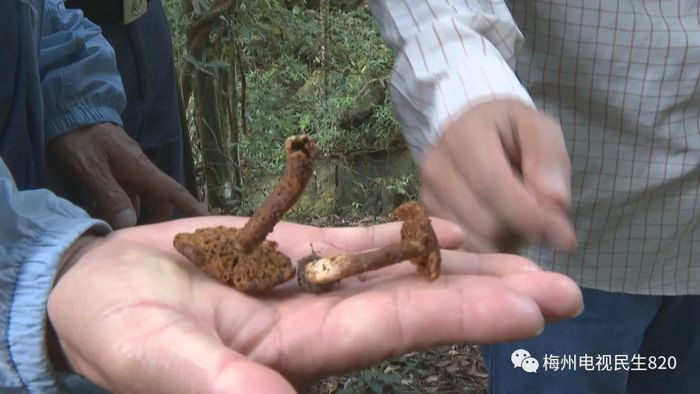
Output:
(418, 243)
(242, 258)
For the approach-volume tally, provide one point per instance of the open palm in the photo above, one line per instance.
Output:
(134, 316)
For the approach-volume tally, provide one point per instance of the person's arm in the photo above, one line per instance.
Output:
(467, 118)
(36, 230)
(83, 99)
(79, 78)
(450, 55)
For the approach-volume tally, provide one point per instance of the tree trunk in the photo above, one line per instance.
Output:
(233, 100)
(215, 142)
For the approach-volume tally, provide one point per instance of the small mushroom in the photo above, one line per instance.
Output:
(418, 244)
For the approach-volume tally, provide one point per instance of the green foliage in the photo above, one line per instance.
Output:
(307, 70)
(291, 90)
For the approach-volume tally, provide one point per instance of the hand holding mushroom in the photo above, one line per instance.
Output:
(133, 315)
(243, 259)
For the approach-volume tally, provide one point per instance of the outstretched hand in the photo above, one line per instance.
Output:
(133, 316)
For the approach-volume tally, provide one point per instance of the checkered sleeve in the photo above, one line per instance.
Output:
(450, 55)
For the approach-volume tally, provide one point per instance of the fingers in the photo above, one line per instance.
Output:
(135, 201)
(545, 161)
(131, 165)
(556, 295)
(151, 181)
(112, 202)
(567, 302)
(104, 158)
(81, 156)
(477, 221)
(398, 321)
(461, 263)
(156, 211)
(465, 303)
(503, 193)
(474, 173)
(355, 239)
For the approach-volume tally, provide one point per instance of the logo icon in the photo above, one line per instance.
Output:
(521, 358)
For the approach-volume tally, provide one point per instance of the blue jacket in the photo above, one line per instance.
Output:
(58, 73)
(36, 228)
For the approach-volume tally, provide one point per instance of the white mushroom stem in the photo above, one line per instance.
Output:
(332, 269)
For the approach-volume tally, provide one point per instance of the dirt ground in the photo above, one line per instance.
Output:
(449, 369)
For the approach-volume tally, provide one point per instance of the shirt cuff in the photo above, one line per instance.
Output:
(425, 106)
(80, 117)
(26, 330)
(479, 79)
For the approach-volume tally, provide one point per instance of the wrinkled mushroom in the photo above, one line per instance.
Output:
(215, 251)
(241, 257)
(418, 244)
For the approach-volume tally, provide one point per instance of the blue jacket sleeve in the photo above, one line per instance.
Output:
(36, 228)
(80, 82)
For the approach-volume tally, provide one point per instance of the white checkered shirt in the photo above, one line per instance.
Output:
(622, 76)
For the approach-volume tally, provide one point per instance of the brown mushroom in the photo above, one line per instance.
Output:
(241, 257)
(215, 251)
(301, 152)
(418, 244)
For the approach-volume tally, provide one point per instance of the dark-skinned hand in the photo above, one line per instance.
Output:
(111, 167)
(501, 170)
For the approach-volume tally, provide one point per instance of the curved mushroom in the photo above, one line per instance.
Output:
(418, 244)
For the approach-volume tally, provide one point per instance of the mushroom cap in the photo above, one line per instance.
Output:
(303, 144)
(216, 251)
(262, 269)
(417, 228)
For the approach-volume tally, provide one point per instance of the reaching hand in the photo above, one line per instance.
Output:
(502, 172)
(133, 316)
(103, 159)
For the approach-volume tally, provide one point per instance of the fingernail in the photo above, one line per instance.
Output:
(125, 218)
(540, 330)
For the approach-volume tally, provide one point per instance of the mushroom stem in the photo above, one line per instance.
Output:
(301, 151)
(326, 271)
(418, 244)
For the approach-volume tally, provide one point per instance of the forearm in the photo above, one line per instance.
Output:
(450, 55)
